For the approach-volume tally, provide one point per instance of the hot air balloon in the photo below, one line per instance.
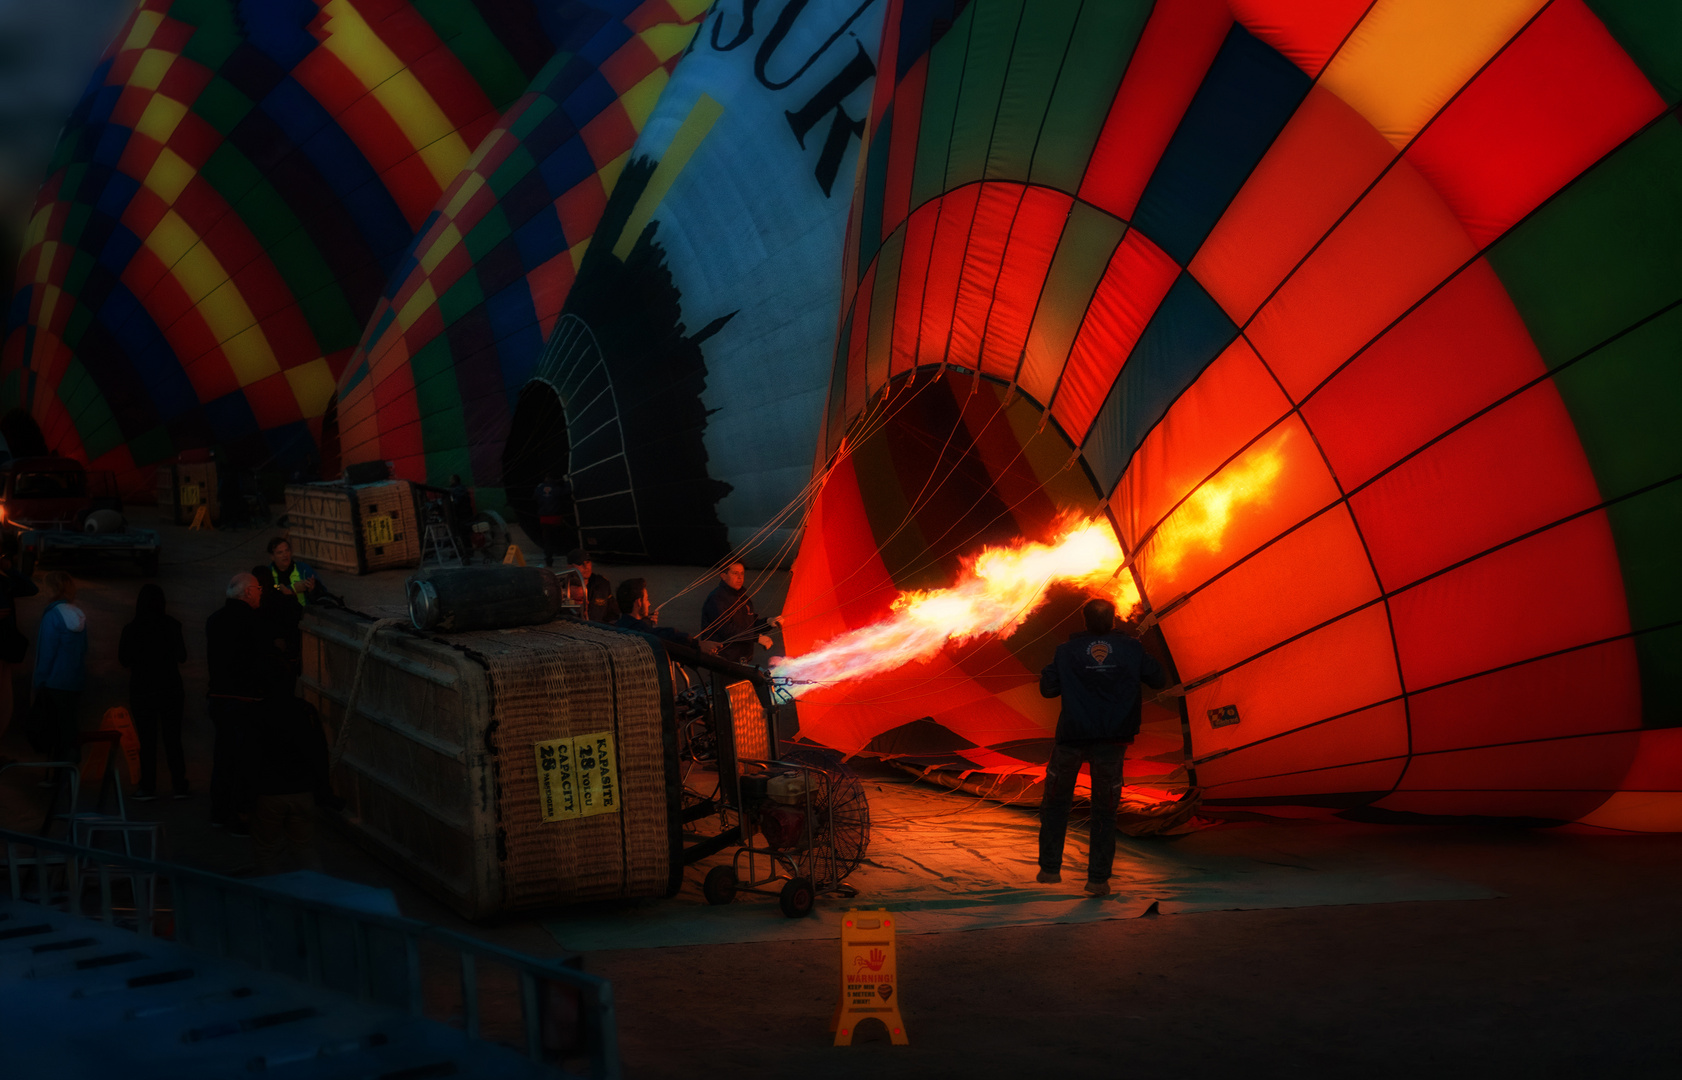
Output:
(226, 204)
(450, 347)
(1356, 324)
(682, 385)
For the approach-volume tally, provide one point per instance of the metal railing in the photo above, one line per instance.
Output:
(566, 1014)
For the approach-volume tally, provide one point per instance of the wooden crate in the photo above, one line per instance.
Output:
(183, 487)
(442, 763)
(357, 528)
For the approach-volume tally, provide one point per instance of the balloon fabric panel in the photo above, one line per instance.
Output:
(222, 211)
(1448, 245)
(434, 385)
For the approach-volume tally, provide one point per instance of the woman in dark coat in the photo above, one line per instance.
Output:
(153, 650)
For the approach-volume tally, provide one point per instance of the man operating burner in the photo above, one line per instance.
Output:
(1097, 673)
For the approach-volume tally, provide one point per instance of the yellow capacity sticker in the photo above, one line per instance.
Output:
(378, 530)
(577, 777)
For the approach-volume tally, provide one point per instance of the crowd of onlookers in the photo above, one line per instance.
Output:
(270, 759)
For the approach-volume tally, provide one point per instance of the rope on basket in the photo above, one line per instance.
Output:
(339, 738)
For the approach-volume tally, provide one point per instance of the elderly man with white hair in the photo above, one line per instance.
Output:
(244, 667)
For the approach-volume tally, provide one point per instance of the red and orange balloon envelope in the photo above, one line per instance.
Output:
(1358, 320)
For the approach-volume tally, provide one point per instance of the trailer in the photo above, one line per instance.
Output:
(36, 546)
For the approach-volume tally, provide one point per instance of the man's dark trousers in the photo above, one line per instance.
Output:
(1105, 759)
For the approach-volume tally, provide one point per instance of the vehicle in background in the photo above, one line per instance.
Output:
(56, 506)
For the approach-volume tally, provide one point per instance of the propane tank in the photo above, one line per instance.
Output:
(454, 599)
(103, 521)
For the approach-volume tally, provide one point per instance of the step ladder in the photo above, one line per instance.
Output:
(439, 547)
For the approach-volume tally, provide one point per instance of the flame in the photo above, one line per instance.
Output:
(1201, 521)
(1000, 587)
(996, 591)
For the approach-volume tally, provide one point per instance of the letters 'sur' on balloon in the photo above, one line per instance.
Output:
(227, 203)
(1356, 322)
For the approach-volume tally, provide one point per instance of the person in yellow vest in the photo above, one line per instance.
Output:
(288, 576)
(289, 586)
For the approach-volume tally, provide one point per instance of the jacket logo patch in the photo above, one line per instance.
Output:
(1099, 651)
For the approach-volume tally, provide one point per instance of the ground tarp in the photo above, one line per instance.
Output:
(950, 861)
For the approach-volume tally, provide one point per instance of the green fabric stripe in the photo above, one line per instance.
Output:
(232, 174)
(1034, 63)
(454, 461)
(460, 298)
(996, 26)
(462, 30)
(437, 396)
(215, 36)
(1605, 253)
(88, 410)
(838, 385)
(513, 169)
(540, 108)
(222, 105)
(1625, 400)
(1659, 656)
(209, 15)
(1098, 56)
(292, 251)
(80, 319)
(879, 345)
(1594, 262)
(1645, 529)
(1089, 239)
(940, 100)
(152, 446)
(1651, 32)
(875, 187)
(490, 231)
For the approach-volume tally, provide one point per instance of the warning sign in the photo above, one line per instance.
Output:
(869, 976)
(577, 776)
(190, 495)
(377, 530)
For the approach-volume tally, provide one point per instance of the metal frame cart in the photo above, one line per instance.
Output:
(799, 817)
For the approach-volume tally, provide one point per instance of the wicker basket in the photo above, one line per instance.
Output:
(355, 528)
(455, 760)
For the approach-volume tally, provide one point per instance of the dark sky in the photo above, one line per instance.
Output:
(47, 50)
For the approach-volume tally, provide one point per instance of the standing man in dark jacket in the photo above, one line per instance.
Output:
(728, 617)
(1097, 673)
(244, 666)
(153, 649)
(552, 497)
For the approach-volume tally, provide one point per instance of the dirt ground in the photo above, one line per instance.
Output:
(1575, 971)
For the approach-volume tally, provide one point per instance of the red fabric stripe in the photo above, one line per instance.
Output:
(1516, 468)
(1134, 283)
(272, 402)
(913, 273)
(1466, 343)
(1559, 97)
(1556, 590)
(1588, 690)
(1306, 32)
(1016, 290)
(946, 262)
(1178, 45)
(984, 254)
(902, 154)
